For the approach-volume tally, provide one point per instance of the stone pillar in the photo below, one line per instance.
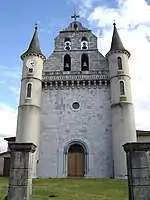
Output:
(138, 169)
(20, 182)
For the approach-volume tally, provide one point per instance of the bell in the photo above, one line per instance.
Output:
(84, 64)
(67, 65)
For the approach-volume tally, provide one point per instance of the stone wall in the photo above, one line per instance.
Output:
(60, 124)
(56, 61)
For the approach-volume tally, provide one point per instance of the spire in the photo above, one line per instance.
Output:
(34, 47)
(116, 44)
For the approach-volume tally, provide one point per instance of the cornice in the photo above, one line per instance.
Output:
(58, 76)
(75, 79)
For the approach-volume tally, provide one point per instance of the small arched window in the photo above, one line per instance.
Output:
(67, 63)
(84, 43)
(84, 62)
(122, 88)
(119, 61)
(29, 90)
(67, 44)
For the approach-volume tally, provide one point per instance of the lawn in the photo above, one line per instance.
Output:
(74, 189)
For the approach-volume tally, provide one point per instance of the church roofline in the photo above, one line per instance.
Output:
(10, 139)
(64, 31)
(143, 133)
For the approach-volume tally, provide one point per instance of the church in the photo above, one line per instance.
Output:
(76, 106)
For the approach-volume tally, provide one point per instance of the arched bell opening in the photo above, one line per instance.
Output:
(85, 62)
(67, 63)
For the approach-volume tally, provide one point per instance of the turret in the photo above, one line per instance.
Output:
(28, 124)
(123, 121)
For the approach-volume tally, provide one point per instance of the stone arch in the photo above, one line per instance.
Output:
(122, 87)
(85, 156)
(67, 39)
(119, 62)
(67, 43)
(84, 43)
(84, 39)
(67, 62)
(29, 90)
(69, 144)
(85, 62)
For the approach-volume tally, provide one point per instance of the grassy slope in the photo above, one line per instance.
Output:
(74, 189)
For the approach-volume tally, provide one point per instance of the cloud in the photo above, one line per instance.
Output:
(8, 118)
(82, 6)
(133, 23)
(16, 92)
(14, 73)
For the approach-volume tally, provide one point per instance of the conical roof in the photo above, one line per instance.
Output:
(34, 47)
(116, 44)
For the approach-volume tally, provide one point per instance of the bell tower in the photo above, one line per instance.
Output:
(28, 122)
(122, 111)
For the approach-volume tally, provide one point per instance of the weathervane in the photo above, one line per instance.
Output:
(75, 15)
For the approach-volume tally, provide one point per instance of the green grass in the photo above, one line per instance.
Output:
(74, 189)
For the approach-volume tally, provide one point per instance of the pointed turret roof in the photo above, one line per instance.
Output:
(116, 44)
(34, 47)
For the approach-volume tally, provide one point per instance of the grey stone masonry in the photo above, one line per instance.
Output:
(20, 171)
(138, 166)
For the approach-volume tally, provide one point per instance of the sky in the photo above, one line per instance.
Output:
(17, 19)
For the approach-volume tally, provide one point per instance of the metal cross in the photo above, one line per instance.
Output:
(75, 16)
(36, 26)
(114, 22)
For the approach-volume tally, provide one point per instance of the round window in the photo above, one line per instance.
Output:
(75, 105)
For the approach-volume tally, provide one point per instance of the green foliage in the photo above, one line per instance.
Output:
(74, 189)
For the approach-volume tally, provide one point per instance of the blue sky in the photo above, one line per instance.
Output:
(17, 19)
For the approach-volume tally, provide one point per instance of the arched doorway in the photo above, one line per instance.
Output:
(76, 161)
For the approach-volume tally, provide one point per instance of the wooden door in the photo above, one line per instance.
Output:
(6, 167)
(72, 164)
(76, 163)
(79, 164)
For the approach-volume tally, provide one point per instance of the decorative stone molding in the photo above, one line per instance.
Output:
(123, 98)
(136, 146)
(75, 79)
(118, 51)
(120, 72)
(53, 73)
(75, 84)
(33, 54)
(121, 103)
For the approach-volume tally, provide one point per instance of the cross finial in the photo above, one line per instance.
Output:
(75, 15)
(36, 26)
(114, 22)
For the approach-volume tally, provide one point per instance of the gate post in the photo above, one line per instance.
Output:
(138, 170)
(20, 181)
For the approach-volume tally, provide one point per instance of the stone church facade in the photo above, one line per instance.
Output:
(76, 106)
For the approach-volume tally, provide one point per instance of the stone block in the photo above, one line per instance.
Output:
(138, 165)
(19, 193)
(19, 176)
